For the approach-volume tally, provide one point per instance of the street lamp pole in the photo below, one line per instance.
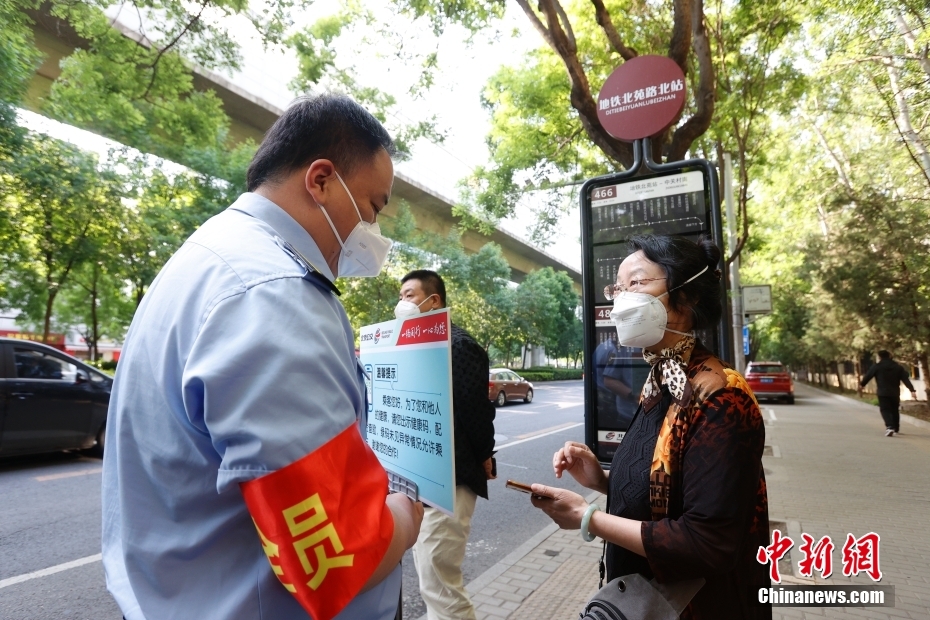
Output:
(736, 299)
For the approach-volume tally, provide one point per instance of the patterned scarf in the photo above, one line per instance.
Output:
(669, 368)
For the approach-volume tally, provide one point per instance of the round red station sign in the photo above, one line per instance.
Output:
(641, 97)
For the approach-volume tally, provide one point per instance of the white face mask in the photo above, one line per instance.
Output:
(641, 319)
(405, 308)
(365, 249)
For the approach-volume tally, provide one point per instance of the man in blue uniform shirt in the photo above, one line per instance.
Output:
(237, 410)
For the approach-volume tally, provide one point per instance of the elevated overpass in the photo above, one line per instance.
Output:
(251, 116)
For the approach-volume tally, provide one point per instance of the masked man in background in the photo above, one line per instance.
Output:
(440, 547)
(237, 483)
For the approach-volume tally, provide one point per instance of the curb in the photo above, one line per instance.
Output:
(904, 417)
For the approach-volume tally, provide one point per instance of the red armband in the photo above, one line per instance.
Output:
(323, 523)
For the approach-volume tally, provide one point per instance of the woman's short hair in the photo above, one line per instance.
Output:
(681, 259)
(327, 126)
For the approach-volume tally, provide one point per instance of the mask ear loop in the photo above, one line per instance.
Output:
(326, 215)
(694, 277)
(351, 197)
(330, 222)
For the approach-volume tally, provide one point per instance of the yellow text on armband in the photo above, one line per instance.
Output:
(303, 518)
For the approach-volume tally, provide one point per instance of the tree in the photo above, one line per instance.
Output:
(545, 130)
(320, 69)
(165, 209)
(140, 90)
(18, 59)
(58, 202)
(479, 294)
(756, 81)
(876, 267)
(544, 307)
(95, 304)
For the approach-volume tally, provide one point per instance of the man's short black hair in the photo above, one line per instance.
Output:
(328, 126)
(430, 281)
(885, 355)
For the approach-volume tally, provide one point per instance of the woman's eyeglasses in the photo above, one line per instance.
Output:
(612, 291)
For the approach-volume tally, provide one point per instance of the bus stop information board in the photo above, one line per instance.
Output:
(665, 203)
(408, 363)
(641, 98)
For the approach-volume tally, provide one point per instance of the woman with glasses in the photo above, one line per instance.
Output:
(686, 494)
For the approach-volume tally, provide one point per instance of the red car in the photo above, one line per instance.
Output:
(770, 380)
(504, 385)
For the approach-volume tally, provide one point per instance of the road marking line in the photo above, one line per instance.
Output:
(546, 430)
(70, 474)
(512, 465)
(539, 436)
(50, 571)
(772, 415)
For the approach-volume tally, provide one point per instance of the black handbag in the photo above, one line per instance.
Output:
(631, 597)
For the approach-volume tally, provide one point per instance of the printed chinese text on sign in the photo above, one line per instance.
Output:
(641, 97)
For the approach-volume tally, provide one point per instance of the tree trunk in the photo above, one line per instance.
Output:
(905, 126)
(47, 323)
(924, 370)
(95, 323)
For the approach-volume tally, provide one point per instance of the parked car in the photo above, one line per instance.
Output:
(770, 380)
(49, 401)
(504, 385)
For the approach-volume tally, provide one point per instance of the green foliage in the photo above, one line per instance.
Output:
(319, 68)
(553, 374)
(472, 14)
(18, 60)
(547, 302)
(142, 94)
(841, 219)
(537, 375)
(61, 208)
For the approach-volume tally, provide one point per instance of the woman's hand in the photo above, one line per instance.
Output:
(578, 460)
(562, 506)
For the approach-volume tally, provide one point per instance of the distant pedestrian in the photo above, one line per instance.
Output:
(888, 376)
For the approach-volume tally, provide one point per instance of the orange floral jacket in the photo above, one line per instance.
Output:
(708, 494)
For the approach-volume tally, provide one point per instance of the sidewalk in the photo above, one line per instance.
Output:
(829, 470)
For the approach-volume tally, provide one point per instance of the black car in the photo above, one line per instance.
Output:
(49, 401)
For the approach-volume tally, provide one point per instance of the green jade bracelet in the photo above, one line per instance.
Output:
(586, 521)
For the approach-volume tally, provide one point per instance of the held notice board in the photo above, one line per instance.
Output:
(409, 367)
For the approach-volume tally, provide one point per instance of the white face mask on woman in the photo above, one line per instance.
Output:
(641, 319)
(405, 308)
(365, 249)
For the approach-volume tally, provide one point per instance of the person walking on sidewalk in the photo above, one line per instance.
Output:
(889, 375)
(686, 489)
(440, 547)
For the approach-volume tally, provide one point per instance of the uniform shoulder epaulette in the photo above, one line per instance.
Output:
(311, 273)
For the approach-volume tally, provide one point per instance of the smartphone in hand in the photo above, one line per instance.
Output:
(519, 486)
(524, 488)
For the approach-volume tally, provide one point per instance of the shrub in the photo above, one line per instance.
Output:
(548, 373)
(567, 374)
(535, 375)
